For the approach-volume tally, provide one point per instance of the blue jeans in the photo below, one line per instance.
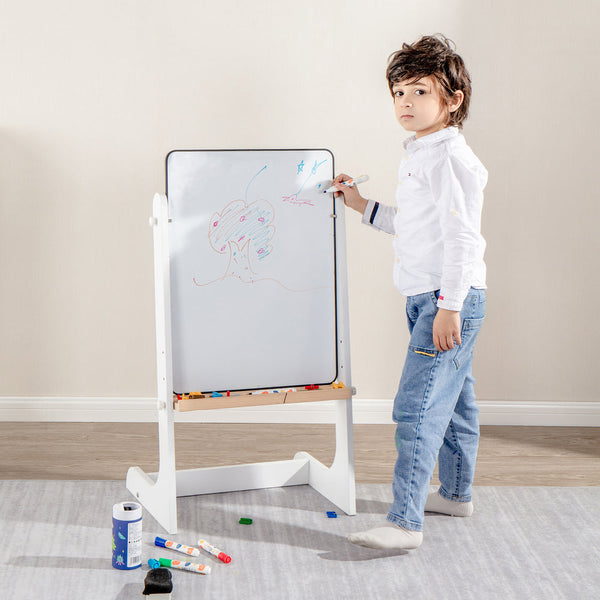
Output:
(435, 411)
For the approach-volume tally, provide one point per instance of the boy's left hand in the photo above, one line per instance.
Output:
(446, 329)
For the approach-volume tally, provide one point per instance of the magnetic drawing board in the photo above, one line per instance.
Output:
(252, 258)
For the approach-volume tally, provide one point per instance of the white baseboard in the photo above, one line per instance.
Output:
(492, 412)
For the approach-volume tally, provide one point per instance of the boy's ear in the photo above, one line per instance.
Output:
(457, 100)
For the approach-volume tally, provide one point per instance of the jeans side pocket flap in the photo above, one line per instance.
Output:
(472, 324)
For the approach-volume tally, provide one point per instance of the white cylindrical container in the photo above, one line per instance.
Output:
(127, 535)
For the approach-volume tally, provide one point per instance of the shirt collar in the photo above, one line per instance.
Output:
(412, 143)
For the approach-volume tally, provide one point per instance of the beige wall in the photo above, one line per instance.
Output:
(94, 94)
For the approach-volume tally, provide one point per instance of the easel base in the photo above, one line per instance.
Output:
(160, 500)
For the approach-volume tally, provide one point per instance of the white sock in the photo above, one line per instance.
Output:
(388, 537)
(438, 504)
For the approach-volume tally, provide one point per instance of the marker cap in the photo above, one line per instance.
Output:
(158, 541)
(224, 557)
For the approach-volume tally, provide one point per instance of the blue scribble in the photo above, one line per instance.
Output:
(246, 194)
(317, 165)
(300, 167)
(313, 172)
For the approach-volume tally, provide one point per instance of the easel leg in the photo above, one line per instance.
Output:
(336, 483)
(157, 492)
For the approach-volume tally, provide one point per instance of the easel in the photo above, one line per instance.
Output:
(158, 492)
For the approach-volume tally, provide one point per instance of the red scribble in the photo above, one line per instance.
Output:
(293, 199)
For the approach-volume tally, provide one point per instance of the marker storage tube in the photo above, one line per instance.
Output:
(127, 535)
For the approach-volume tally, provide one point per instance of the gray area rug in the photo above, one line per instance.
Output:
(520, 543)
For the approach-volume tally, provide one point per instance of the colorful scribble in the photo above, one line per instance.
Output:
(294, 198)
(243, 232)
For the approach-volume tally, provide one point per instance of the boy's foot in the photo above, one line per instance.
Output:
(388, 537)
(439, 504)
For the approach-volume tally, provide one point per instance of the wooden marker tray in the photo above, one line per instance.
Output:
(246, 398)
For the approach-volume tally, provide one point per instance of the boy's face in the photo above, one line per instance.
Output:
(420, 107)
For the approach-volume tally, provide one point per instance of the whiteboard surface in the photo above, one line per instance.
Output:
(252, 259)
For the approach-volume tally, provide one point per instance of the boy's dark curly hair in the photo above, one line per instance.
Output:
(433, 55)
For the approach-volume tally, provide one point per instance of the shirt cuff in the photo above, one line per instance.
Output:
(449, 301)
(370, 212)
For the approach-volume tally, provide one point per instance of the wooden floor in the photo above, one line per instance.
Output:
(508, 456)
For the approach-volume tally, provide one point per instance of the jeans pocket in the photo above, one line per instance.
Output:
(431, 352)
(469, 330)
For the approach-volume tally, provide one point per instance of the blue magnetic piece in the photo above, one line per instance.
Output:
(217, 395)
(332, 514)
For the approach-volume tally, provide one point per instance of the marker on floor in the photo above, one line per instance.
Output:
(184, 566)
(158, 541)
(214, 551)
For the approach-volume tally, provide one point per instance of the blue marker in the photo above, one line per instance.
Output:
(349, 183)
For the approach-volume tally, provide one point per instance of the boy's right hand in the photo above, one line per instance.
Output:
(352, 198)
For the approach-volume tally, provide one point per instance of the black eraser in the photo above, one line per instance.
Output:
(158, 581)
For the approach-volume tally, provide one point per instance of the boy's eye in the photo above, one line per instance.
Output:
(399, 93)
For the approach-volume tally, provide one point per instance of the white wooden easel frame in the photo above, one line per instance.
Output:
(158, 492)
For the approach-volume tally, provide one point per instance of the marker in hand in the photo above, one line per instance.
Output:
(349, 183)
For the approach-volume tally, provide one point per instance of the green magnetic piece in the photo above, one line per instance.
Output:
(244, 521)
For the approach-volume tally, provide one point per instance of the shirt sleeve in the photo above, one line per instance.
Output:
(457, 188)
(379, 216)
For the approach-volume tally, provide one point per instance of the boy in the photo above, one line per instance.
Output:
(439, 267)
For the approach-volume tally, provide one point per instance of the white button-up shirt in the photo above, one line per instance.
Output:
(437, 221)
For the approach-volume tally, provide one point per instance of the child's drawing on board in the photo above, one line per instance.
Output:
(243, 232)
